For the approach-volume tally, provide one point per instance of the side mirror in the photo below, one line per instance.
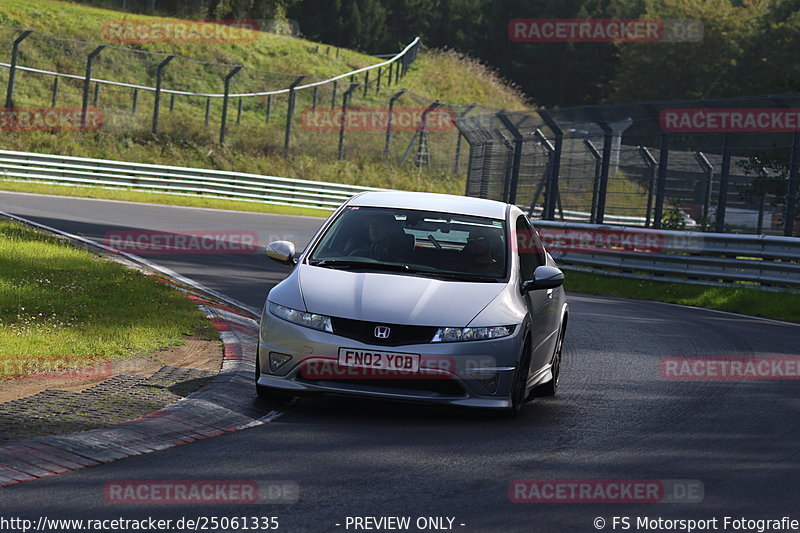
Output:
(544, 277)
(281, 252)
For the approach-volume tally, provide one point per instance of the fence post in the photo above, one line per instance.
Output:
(389, 121)
(708, 170)
(378, 88)
(269, 107)
(208, 109)
(602, 189)
(792, 186)
(96, 93)
(157, 101)
(12, 69)
(239, 111)
(598, 166)
(469, 108)
(87, 83)
(548, 169)
(222, 124)
(661, 182)
(314, 97)
(724, 175)
(333, 97)
(510, 195)
(652, 166)
(55, 92)
(290, 113)
(423, 135)
(366, 82)
(555, 168)
(343, 118)
(135, 103)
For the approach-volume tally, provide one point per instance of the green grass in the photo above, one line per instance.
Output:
(735, 299)
(62, 307)
(252, 144)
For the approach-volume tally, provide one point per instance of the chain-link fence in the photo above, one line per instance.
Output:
(360, 113)
(711, 165)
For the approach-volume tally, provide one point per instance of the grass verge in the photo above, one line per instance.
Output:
(735, 299)
(63, 308)
(155, 198)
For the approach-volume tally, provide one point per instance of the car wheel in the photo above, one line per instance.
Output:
(518, 397)
(551, 387)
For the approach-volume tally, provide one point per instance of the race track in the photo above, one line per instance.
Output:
(615, 417)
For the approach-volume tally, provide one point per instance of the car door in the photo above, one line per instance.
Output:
(541, 303)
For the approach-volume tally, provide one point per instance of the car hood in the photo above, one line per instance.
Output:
(393, 298)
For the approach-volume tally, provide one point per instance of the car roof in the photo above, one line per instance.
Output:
(427, 201)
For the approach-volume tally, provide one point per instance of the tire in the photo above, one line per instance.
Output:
(551, 387)
(518, 396)
(274, 395)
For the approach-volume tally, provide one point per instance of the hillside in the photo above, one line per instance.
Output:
(253, 144)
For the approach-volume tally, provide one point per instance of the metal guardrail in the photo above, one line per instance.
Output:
(76, 171)
(694, 257)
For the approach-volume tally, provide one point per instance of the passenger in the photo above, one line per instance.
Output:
(481, 253)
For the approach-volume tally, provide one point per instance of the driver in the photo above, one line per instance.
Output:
(383, 234)
(384, 240)
(480, 252)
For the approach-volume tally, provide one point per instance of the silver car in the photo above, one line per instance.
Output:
(416, 297)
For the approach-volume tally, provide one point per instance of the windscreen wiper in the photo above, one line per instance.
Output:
(457, 276)
(368, 265)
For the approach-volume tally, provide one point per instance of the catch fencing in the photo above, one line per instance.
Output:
(724, 165)
(247, 107)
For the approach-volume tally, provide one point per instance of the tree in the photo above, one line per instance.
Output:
(686, 70)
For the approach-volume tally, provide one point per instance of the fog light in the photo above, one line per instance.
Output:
(277, 360)
(487, 379)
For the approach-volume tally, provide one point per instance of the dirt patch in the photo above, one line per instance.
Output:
(197, 353)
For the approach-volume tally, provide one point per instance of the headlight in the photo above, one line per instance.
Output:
(471, 334)
(301, 318)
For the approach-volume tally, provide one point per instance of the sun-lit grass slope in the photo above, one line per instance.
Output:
(445, 76)
(61, 306)
(253, 144)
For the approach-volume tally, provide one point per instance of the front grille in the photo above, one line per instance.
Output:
(399, 335)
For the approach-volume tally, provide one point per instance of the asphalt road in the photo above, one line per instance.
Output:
(615, 417)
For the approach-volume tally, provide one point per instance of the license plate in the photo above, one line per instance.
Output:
(404, 362)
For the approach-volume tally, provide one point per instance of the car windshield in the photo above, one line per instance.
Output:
(442, 245)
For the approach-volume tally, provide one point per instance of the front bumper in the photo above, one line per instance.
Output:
(451, 373)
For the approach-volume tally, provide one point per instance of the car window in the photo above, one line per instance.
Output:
(424, 241)
(529, 248)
